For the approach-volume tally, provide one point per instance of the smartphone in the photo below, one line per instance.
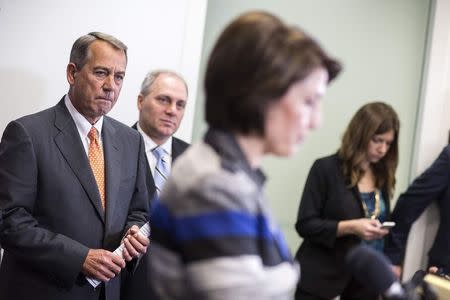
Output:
(387, 225)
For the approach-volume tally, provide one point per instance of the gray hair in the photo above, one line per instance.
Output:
(150, 78)
(79, 52)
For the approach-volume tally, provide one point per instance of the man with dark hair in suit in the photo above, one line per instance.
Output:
(161, 104)
(72, 186)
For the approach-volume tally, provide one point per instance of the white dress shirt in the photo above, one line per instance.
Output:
(83, 125)
(150, 145)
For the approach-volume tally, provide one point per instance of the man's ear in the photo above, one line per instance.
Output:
(71, 71)
(140, 99)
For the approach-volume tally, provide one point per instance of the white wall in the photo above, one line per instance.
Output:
(432, 129)
(36, 38)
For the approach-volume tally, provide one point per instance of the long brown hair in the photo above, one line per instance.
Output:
(370, 120)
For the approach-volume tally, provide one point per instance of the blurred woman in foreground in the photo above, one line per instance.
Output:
(213, 234)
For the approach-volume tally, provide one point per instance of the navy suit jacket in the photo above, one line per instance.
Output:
(137, 286)
(433, 185)
(52, 213)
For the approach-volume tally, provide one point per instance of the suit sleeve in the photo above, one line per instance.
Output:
(425, 189)
(311, 223)
(139, 204)
(57, 256)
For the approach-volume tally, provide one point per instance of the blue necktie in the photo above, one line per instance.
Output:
(161, 170)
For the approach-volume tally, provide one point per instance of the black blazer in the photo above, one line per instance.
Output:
(136, 286)
(52, 213)
(433, 185)
(326, 200)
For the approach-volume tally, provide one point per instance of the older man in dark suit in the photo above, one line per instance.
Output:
(161, 104)
(72, 186)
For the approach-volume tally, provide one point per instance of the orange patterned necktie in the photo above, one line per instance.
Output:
(97, 162)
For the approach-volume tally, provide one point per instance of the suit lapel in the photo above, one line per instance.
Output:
(151, 188)
(357, 197)
(177, 149)
(150, 181)
(69, 143)
(113, 162)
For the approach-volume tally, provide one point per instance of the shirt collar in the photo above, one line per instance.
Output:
(150, 144)
(81, 122)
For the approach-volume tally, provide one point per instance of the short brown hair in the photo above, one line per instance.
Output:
(254, 62)
(371, 119)
(79, 52)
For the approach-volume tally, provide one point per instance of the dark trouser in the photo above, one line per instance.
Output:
(353, 291)
(302, 295)
(102, 292)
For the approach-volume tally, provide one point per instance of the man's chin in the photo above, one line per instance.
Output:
(105, 108)
(167, 130)
(165, 134)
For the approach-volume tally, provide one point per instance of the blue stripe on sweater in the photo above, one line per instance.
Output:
(212, 224)
(215, 225)
(224, 223)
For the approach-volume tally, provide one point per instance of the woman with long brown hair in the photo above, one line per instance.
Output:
(345, 200)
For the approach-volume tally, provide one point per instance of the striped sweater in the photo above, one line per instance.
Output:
(212, 234)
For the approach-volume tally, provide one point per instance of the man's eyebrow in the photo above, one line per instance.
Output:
(107, 69)
(164, 95)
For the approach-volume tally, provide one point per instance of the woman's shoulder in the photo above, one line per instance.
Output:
(328, 162)
(199, 179)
